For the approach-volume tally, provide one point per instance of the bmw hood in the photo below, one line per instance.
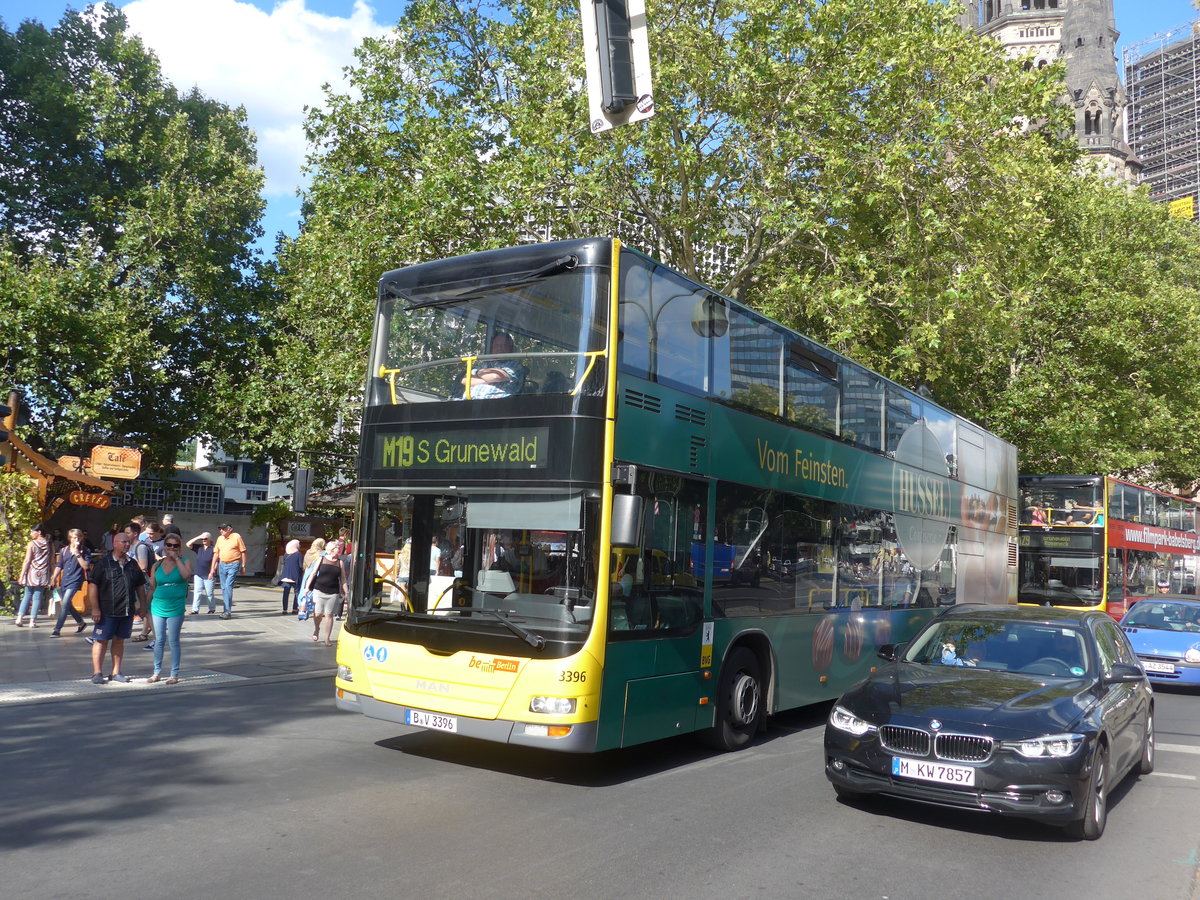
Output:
(904, 693)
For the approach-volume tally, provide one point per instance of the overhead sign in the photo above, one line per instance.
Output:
(84, 498)
(116, 462)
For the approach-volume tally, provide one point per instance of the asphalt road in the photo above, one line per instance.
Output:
(264, 790)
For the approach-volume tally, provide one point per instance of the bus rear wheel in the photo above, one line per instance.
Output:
(739, 702)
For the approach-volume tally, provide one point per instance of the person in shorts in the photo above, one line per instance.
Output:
(327, 581)
(116, 590)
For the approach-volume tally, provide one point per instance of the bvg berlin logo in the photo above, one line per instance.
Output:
(492, 666)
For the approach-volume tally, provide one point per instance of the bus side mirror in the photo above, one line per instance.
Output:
(626, 520)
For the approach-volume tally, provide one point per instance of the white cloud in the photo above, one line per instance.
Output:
(273, 63)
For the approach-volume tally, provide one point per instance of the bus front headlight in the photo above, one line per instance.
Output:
(345, 673)
(552, 706)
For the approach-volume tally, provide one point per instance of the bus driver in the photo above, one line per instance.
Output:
(498, 377)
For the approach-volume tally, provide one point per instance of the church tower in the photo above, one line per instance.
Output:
(1094, 91)
(1084, 34)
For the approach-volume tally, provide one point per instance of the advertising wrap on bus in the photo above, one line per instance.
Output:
(1148, 537)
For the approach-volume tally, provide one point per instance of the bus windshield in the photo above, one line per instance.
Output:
(516, 562)
(1053, 577)
(1060, 502)
(508, 333)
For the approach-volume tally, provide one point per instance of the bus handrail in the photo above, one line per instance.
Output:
(469, 363)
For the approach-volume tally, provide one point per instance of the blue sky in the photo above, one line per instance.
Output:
(272, 56)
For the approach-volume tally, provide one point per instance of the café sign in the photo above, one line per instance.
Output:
(116, 462)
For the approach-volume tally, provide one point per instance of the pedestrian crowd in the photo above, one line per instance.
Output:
(140, 575)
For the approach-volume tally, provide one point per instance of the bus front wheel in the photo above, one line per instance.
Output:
(739, 702)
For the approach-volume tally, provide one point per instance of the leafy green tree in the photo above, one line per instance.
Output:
(19, 512)
(127, 279)
(868, 172)
(1099, 369)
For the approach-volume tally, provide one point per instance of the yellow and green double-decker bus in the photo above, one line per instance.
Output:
(601, 504)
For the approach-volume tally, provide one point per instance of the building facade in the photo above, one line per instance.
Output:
(1083, 33)
(1162, 74)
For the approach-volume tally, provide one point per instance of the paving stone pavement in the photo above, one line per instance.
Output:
(257, 643)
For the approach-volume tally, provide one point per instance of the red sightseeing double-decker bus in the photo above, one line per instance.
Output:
(1098, 542)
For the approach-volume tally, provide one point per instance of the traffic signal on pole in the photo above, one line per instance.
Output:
(618, 62)
(5, 412)
(302, 482)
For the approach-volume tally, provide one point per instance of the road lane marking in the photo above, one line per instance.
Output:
(1173, 775)
(1179, 748)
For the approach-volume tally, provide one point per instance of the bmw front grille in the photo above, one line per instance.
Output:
(918, 742)
(962, 747)
(900, 739)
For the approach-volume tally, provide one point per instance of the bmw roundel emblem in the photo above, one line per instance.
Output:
(935, 724)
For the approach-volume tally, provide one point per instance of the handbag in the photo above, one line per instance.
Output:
(307, 607)
(80, 599)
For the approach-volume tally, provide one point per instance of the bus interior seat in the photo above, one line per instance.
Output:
(638, 610)
(495, 582)
(555, 382)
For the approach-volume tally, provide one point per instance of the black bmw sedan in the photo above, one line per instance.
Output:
(1033, 712)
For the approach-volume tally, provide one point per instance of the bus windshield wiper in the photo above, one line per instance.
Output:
(476, 288)
(536, 641)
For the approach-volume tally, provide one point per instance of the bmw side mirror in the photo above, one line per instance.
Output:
(1121, 673)
(888, 652)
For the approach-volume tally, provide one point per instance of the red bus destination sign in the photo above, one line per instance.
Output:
(508, 448)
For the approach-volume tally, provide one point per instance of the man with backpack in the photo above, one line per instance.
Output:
(145, 554)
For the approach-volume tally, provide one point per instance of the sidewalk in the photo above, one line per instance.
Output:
(257, 643)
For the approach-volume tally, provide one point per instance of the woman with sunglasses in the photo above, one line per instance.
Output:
(168, 590)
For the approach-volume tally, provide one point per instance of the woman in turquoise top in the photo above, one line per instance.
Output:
(168, 591)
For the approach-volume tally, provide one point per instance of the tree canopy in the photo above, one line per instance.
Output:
(866, 171)
(127, 215)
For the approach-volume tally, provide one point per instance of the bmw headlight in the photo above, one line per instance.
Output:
(844, 720)
(1050, 746)
(1193, 654)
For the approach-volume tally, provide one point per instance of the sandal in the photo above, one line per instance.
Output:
(153, 678)
(172, 680)
(139, 637)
